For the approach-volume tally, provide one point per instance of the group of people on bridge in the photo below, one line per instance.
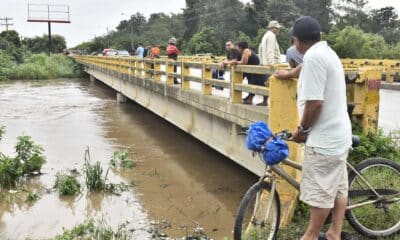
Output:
(269, 53)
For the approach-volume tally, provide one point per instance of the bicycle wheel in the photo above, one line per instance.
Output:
(252, 222)
(382, 218)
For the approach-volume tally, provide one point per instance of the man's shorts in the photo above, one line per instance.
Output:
(324, 178)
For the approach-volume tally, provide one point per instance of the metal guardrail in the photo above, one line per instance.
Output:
(363, 82)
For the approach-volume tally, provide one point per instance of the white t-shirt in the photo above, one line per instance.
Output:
(322, 78)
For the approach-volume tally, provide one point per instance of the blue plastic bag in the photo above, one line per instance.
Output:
(257, 136)
(275, 151)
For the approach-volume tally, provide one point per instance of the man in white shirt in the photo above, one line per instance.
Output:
(268, 49)
(325, 128)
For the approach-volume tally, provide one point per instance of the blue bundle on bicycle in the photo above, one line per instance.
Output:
(261, 139)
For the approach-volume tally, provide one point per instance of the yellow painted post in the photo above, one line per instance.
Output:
(185, 72)
(366, 96)
(236, 77)
(147, 67)
(283, 115)
(157, 67)
(206, 89)
(170, 69)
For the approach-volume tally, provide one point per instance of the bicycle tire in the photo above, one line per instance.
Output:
(244, 205)
(365, 231)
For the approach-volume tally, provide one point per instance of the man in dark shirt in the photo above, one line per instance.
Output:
(232, 54)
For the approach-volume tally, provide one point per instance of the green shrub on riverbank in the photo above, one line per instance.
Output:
(38, 66)
(29, 160)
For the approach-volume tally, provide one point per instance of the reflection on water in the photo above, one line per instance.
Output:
(177, 179)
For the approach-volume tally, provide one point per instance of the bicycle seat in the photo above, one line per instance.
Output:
(356, 141)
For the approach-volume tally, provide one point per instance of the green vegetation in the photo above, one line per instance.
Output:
(67, 184)
(26, 59)
(93, 173)
(95, 181)
(352, 27)
(29, 160)
(375, 145)
(91, 229)
(121, 159)
(32, 197)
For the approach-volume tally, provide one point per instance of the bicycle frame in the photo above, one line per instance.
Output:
(277, 169)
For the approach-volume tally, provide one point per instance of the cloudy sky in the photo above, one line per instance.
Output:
(93, 17)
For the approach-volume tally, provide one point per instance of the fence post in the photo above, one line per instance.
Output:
(366, 98)
(170, 69)
(157, 67)
(236, 77)
(283, 114)
(146, 69)
(206, 89)
(185, 72)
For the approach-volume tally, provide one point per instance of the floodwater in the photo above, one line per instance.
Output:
(177, 179)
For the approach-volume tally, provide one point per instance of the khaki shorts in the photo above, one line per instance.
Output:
(324, 178)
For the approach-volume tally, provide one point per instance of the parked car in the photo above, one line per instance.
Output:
(123, 53)
(109, 52)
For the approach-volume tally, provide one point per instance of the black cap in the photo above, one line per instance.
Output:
(306, 28)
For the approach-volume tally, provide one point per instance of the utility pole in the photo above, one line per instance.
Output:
(5, 22)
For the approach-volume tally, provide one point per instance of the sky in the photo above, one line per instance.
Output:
(90, 18)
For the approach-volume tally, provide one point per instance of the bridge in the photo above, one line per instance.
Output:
(215, 117)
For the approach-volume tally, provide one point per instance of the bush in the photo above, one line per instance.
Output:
(11, 171)
(6, 65)
(29, 159)
(32, 197)
(30, 154)
(67, 184)
(121, 159)
(375, 145)
(92, 229)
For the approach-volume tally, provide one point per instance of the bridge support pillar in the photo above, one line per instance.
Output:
(121, 98)
(92, 79)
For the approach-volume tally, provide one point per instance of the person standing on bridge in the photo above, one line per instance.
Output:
(249, 58)
(269, 49)
(172, 53)
(325, 128)
(232, 53)
(140, 51)
(293, 57)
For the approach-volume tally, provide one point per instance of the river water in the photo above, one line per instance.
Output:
(177, 179)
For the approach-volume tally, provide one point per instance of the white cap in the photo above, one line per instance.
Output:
(274, 24)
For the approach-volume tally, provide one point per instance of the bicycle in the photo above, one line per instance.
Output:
(374, 199)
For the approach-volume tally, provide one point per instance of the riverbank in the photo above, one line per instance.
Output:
(39, 66)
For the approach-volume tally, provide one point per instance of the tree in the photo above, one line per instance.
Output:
(204, 42)
(354, 43)
(191, 18)
(261, 15)
(319, 9)
(10, 43)
(284, 12)
(11, 36)
(41, 44)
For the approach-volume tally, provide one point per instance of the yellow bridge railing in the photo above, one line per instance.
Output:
(362, 92)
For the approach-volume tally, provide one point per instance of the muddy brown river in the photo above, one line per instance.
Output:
(177, 178)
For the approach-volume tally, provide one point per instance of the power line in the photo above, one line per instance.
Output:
(6, 22)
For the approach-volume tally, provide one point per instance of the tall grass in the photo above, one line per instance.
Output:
(38, 66)
(41, 66)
